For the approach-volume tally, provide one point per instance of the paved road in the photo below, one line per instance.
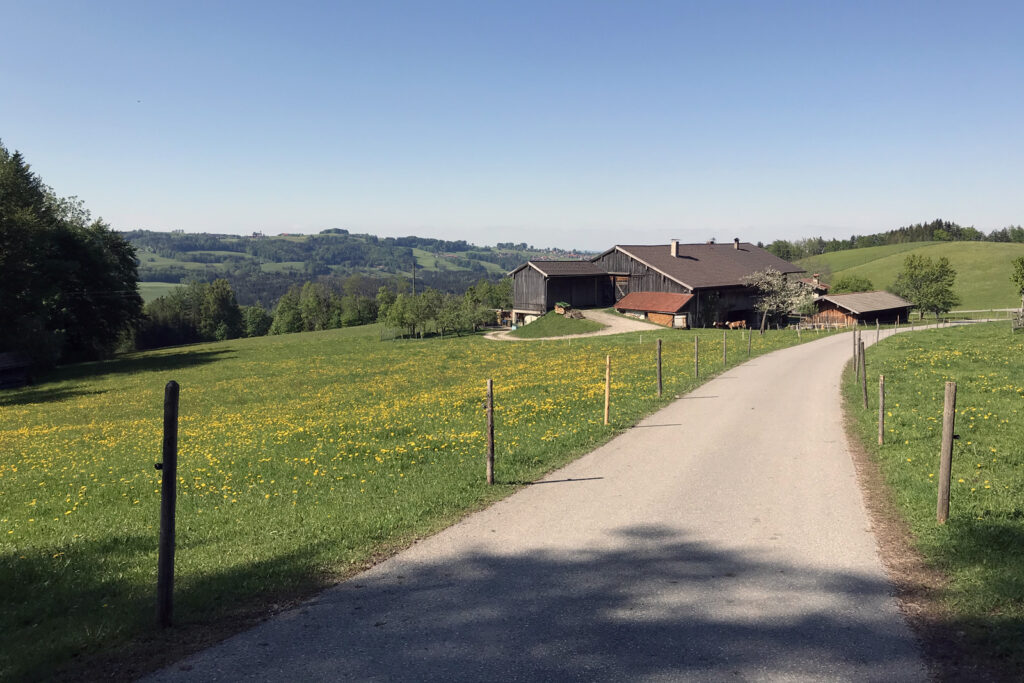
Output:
(723, 538)
(613, 324)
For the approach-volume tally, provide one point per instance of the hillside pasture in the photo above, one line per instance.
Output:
(302, 458)
(154, 290)
(983, 268)
(981, 547)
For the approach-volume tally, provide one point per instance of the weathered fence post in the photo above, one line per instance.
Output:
(696, 357)
(946, 456)
(607, 385)
(168, 497)
(725, 344)
(749, 337)
(856, 357)
(881, 409)
(863, 375)
(659, 367)
(490, 432)
(878, 331)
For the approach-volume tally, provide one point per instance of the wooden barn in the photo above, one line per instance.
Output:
(538, 285)
(662, 308)
(712, 274)
(845, 310)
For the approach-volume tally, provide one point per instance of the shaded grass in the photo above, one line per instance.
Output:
(302, 458)
(981, 547)
(554, 325)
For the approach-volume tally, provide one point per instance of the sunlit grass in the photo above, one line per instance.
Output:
(981, 547)
(301, 457)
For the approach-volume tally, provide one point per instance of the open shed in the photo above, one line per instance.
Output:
(845, 310)
(662, 308)
(538, 285)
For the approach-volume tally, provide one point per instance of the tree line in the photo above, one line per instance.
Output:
(68, 283)
(937, 230)
(209, 311)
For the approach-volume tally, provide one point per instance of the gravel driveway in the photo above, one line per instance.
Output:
(614, 324)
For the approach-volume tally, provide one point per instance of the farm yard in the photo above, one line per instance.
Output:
(981, 547)
(302, 459)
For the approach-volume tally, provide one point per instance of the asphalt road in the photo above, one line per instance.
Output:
(723, 538)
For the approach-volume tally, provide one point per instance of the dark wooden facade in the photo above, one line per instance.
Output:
(534, 292)
(629, 275)
(831, 315)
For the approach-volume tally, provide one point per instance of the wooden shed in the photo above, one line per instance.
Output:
(538, 285)
(844, 310)
(662, 308)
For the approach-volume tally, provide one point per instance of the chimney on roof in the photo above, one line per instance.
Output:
(673, 248)
(816, 276)
(735, 242)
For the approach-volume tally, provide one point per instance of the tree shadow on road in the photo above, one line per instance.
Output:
(652, 605)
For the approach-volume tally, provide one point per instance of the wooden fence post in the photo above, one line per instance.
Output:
(659, 367)
(168, 498)
(856, 357)
(749, 337)
(725, 344)
(863, 375)
(696, 357)
(490, 432)
(878, 331)
(607, 385)
(881, 409)
(946, 456)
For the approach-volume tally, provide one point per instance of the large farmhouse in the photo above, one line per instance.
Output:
(712, 274)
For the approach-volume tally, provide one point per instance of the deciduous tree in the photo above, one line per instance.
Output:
(927, 284)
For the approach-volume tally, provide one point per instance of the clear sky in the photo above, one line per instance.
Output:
(571, 124)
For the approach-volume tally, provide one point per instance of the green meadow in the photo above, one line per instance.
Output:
(983, 268)
(302, 458)
(981, 547)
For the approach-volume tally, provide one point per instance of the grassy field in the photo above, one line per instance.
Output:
(983, 268)
(555, 325)
(981, 548)
(152, 290)
(302, 457)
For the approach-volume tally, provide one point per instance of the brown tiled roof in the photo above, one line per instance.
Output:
(562, 268)
(867, 302)
(708, 265)
(653, 302)
(809, 281)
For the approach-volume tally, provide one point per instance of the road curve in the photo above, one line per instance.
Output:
(722, 538)
(613, 324)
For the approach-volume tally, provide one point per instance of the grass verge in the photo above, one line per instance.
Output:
(303, 459)
(555, 325)
(980, 550)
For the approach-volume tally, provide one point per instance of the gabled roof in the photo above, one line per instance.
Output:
(653, 302)
(706, 265)
(809, 281)
(561, 268)
(867, 302)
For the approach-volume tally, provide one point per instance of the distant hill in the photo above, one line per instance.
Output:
(260, 268)
(983, 268)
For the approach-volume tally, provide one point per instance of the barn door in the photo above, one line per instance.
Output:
(621, 286)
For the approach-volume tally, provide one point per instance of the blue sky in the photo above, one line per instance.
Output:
(572, 124)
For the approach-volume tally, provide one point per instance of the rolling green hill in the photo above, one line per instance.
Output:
(983, 268)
